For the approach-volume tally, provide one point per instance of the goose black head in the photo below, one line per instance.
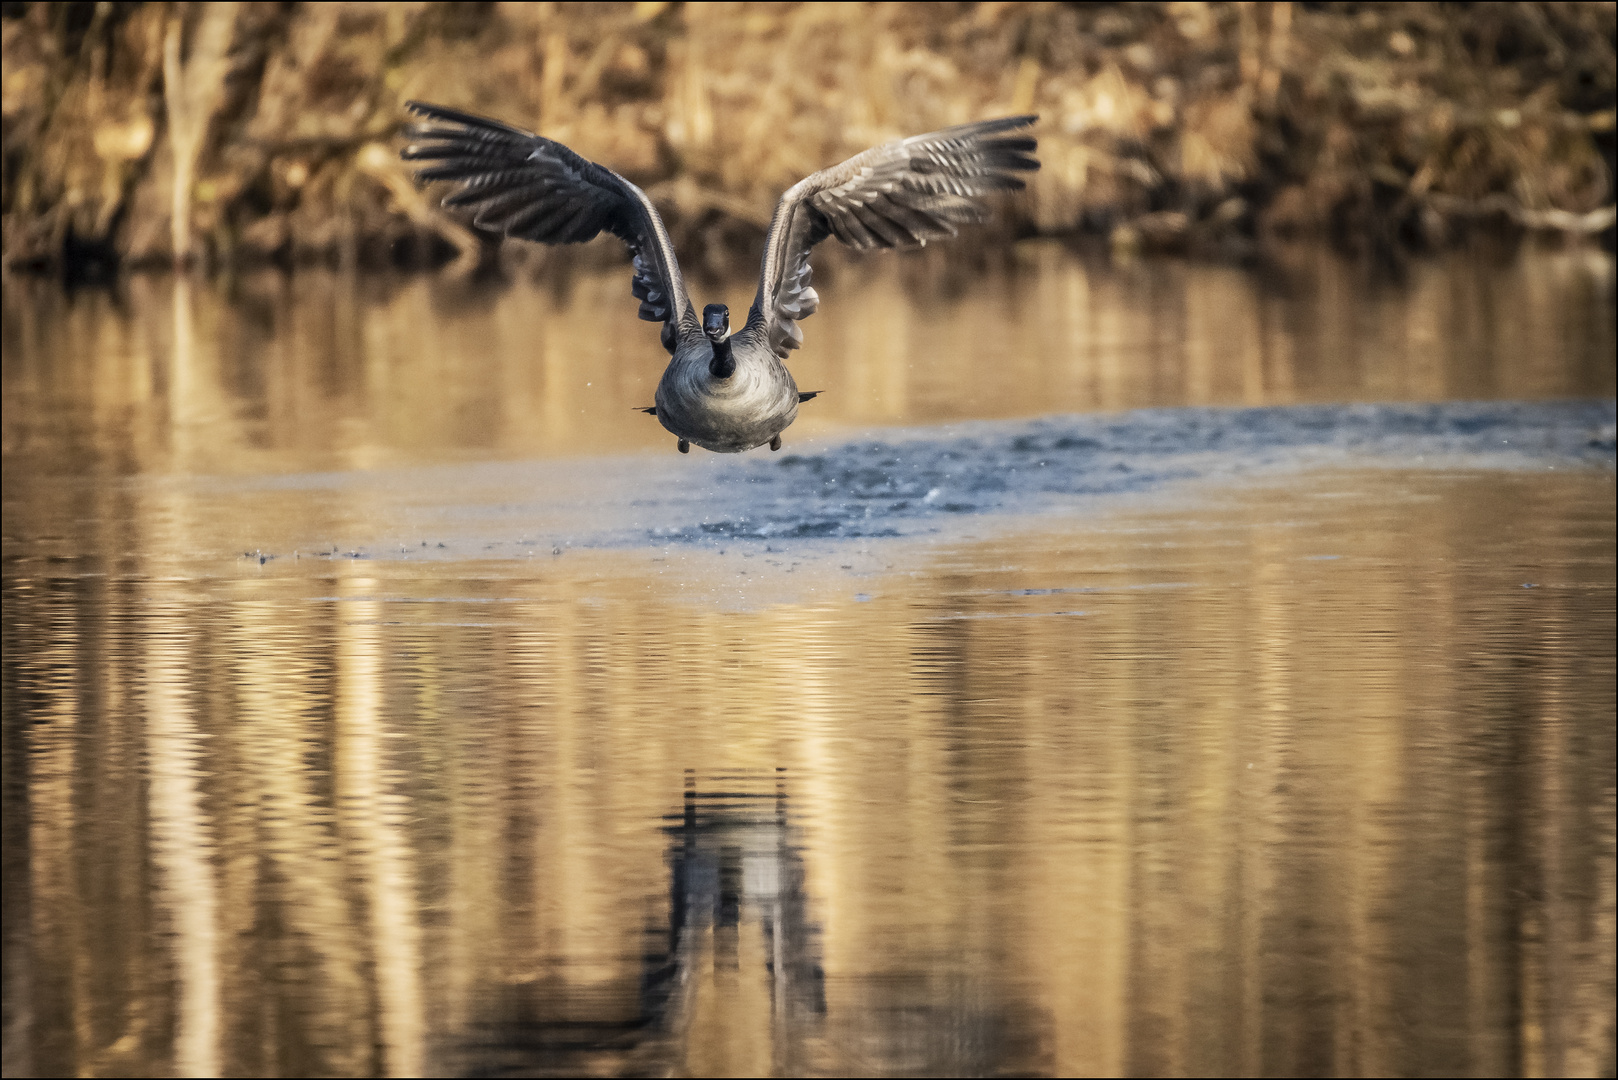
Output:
(716, 322)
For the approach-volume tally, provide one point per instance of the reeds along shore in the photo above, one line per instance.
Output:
(229, 133)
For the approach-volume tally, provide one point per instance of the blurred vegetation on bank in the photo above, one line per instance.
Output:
(240, 133)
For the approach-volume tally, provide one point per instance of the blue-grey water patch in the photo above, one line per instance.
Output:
(901, 483)
(897, 483)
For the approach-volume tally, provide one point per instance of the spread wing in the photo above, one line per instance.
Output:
(522, 185)
(900, 194)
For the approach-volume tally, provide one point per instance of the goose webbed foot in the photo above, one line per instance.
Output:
(775, 443)
(685, 447)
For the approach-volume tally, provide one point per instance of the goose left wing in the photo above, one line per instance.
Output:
(523, 185)
(900, 194)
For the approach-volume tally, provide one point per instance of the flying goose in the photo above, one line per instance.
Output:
(725, 392)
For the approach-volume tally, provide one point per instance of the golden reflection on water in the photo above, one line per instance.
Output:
(1300, 778)
(182, 841)
(319, 371)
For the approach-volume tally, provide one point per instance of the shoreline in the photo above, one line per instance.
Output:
(1203, 129)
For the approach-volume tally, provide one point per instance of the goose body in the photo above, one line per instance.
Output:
(726, 392)
(726, 413)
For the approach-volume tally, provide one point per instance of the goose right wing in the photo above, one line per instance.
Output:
(900, 194)
(520, 184)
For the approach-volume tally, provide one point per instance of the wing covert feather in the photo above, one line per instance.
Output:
(520, 184)
(900, 194)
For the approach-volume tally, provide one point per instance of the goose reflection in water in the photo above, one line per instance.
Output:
(736, 972)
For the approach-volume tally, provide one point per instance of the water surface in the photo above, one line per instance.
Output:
(273, 373)
(1224, 741)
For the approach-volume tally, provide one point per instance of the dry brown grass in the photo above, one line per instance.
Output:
(1181, 125)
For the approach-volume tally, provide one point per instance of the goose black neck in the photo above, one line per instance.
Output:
(723, 364)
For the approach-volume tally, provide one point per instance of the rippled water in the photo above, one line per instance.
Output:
(360, 718)
(274, 373)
